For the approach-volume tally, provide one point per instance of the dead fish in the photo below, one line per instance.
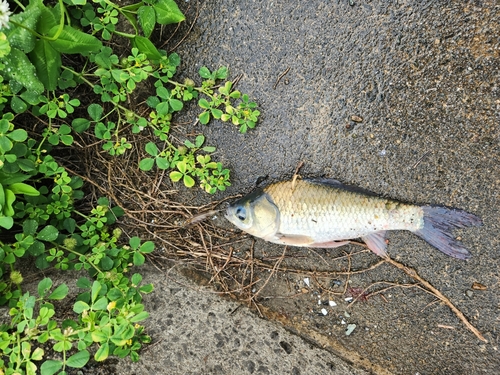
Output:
(325, 213)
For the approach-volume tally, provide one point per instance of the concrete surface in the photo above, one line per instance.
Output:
(424, 76)
(196, 332)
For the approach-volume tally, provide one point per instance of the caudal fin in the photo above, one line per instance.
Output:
(439, 223)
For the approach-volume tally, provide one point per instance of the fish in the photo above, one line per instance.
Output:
(325, 213)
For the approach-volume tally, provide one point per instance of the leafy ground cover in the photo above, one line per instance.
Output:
(68, 102)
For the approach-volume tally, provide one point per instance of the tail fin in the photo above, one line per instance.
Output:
(439, 223)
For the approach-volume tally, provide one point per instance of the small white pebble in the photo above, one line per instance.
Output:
(306, 281)
(348, 299)
(382, 153)
(346, 314)
(332, 303)
(342, 321)
(324, 311)
(350, 328)
(319, 302)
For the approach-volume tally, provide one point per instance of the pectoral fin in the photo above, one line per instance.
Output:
(329, 245)
(294, 240)
(376, 243)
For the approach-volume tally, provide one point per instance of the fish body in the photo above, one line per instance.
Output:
(325, 213)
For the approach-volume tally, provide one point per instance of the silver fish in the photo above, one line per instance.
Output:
(325, 213)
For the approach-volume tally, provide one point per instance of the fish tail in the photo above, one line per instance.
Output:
(439, 223)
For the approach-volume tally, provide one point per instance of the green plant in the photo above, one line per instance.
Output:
(56, 234)
(40, 216)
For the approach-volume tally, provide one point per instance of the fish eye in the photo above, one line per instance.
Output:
(241, 213)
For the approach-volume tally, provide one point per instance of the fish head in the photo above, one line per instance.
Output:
(255, 214)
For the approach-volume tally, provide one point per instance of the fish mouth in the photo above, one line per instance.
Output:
(228, 213)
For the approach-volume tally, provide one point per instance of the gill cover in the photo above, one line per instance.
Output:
(256, 214)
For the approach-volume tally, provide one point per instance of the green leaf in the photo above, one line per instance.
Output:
(147, 19)
(5, 144)
(114, 294)
(69, 224)
(181, 166)
(49, 233)
(80, 306)
(50, 367)
(26, 165)
(18, 135)
(217, 113)
(200, 140)
(162, 108)
(60, 292)
(147, 247)
(146, 164)
(80, 124)
(29, 227)
(72, 40)
(221, 73)
(204, 117)
(37, 355)
(78, 360)
(106, 263)
(50, 17)
(188, 181)
(152, 101)
(151, 149)
(138, 259)
(148, 288)
(4, 45)
(83, 282)
(44, 286)
(136, 278)
(102, 353)
(205, 73)
(18, 105)
(99, 336)
(141, 316)
(37, 248)
(47, 63)
(175, 176)
(203, 103)
(95, 111)
(100, 304)
(145, 46)
(189, 144)
(18, 67)
(176, 104)
(67, 140)
(30, 97)
(162, 163)
(135, 242)
(22, 188)
(96, 288)
(167, 12)
(20, 37)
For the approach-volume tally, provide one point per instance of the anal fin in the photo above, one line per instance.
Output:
(376, 243)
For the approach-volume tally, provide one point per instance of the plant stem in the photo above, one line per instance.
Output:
(20, 5)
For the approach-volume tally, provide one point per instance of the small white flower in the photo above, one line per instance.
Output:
(4, 14)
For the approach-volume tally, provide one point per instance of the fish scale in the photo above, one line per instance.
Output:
(327, 213)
